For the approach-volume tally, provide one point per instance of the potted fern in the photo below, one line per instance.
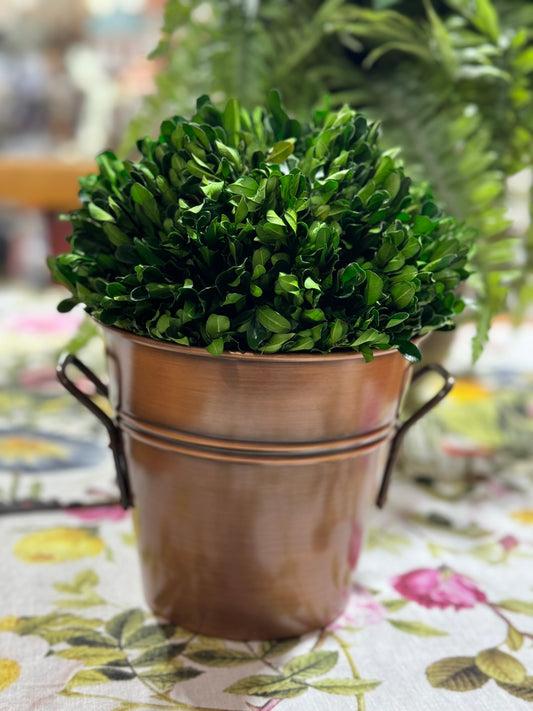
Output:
(263, 285)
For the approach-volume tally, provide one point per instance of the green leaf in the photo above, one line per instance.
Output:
(274, 219)
(312, 284)
(231, 120)
(260, 256)
(216, 347)
(501, 666)
(423, 225)
(521, 606)
(384, 169)
(276, 341)
(392, 184)
(220, 656)
(242, 210)
(280, 151)
(213, 189)
(53, 621)
(374, 287)
(409, 351)
(92, 656)
(310, 665)
(163, 679)
(395, 605)
(402, 293)
(97, 213)
(161, 655)
(244, 186)
(523, 690)
(148, 635)
(345, 687)
(83, 581)
(125, 623)
(88, 637)
(272, 320)
(275, 648)
(291, 219)
(147, 201)
(116, 235)
(456, 674)
(268, 686)
(217, 324)
(354, 274)
(416, 628)
(80, 603)
(514, 639)
(338, 332)
(87, 677)
(67, 305)
(396, 319)
(115, 289)
(230, 153)
(287, 283)
(369, 336)
(118, 673)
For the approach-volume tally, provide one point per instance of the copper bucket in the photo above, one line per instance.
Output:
(251, 475)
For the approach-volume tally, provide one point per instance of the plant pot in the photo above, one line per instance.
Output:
(251, 475)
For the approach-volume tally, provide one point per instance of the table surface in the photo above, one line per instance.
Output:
(441, 612)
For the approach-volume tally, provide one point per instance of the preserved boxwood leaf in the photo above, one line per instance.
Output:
(251, 231)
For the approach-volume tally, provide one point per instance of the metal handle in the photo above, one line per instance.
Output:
(402, 430)
(115, 439)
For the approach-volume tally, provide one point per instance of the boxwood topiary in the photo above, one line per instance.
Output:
(252, 232)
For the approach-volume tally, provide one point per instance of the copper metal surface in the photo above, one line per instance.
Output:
(271, 398)
(251, 476)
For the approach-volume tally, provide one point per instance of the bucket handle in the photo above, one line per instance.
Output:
(405, 426)
(115, 440)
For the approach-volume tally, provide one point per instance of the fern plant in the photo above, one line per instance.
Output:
(452, 82)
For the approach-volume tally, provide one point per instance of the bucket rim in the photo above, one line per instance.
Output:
(251, 356)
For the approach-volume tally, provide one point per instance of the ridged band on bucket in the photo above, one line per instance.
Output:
(207, 447)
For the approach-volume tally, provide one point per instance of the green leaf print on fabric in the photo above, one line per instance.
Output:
(417, 628)
(501, 666)
(345, 687)
(524, 690)
(268, 686)
(456, 674)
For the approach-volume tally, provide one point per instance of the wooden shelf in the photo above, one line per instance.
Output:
(47, 184)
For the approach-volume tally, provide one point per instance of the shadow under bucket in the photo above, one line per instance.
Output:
(251, 475)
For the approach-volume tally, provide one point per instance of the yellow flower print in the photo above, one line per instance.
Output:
(468, 390)
(16, 448)
(523, 516)
(9, 672)
(9, 623)
(29, 676)
(57, 545)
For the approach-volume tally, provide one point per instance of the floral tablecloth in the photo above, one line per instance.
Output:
(441, 612)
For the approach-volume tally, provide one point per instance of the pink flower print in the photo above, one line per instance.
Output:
(508, 543)
(439, 587)
(267, 707)
(42, 323)
(361, 611)
(99, 513)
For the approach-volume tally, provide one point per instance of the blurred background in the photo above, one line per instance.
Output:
(72, 73)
